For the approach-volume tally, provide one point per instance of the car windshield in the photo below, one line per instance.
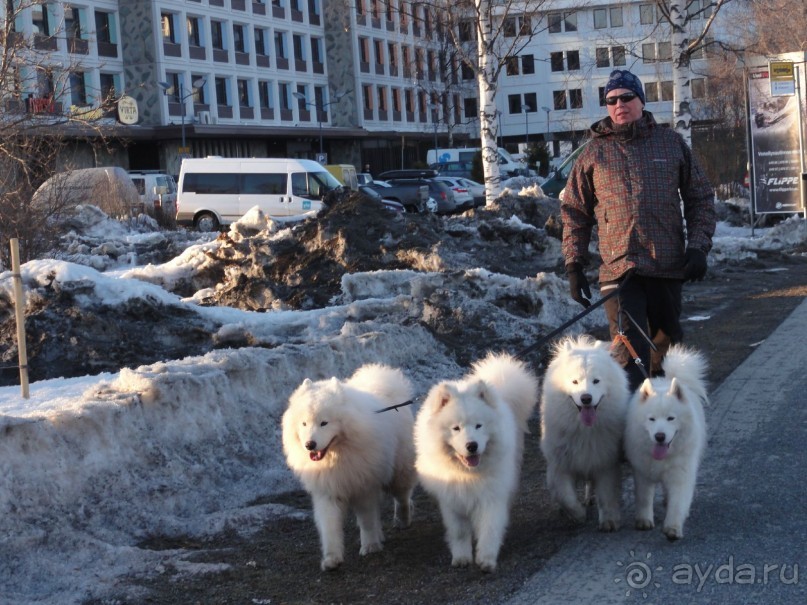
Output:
(314, 185)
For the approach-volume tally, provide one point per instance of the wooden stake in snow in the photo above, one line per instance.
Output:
(19, 307)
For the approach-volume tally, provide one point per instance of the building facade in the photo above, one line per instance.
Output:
(359, 80)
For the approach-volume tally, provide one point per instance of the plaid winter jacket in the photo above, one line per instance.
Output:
(627, 181)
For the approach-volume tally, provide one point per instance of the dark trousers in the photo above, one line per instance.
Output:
(655, 304)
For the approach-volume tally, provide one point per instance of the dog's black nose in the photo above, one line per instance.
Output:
(586, 399)
(660, 437)
(310, 445)
(471, 446)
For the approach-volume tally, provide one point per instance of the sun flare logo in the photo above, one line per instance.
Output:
(637, 574)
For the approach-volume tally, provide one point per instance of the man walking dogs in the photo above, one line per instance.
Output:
(632, 180)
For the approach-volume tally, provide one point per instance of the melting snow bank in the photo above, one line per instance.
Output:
(91, 467)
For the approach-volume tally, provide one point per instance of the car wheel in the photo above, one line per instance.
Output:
(206, 222)
(431, 205)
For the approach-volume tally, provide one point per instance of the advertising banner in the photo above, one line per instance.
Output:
(776, 150)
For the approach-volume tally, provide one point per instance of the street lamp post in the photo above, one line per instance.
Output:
(433, 107)
(320, 109)
(168, 89)
(526, 109)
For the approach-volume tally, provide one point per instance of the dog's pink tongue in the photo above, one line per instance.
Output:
(660, 451)
(316, 456)
(588, 415)
(472, 460)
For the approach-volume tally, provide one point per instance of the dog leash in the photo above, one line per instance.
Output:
(395, 407)
(574, 319)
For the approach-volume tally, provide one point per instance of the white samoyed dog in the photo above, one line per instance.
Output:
(665, 437)
(346, 454)
(469, 440)
(584, 402)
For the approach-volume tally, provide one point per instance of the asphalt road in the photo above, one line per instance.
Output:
(746, 538)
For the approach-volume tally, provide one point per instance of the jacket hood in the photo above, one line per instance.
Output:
(639, 128)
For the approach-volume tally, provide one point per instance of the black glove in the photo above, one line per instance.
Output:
(694, 264)
(578, 284)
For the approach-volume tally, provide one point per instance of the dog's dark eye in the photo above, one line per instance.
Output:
(596, 381)
(479, 426)
(323, 423)
(574, 382)
(455, 429)
(304, 424)
(651, 419)
(670, 418)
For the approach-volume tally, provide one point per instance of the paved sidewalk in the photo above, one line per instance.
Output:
(745, 541)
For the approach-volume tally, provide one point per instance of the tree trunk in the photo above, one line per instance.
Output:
(488, 129)
(682, 116)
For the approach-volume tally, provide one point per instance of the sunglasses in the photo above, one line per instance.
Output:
(625, 98)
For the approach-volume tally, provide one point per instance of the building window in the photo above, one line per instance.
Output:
(573, 60)
(556, 61)
(364, 50)
(264, 94)
(667, 90)
(243, 93)
(698, 88)
(527, 64)
(194, 32)
(514, 104)
(561, 22)
(378, 50)
(603, 57)
(41, 19)
(470, 108)
(72, 22)
(576, 98)
(600, 18)
(239, 42)
(103, 27)
(299, 48)
(651, 92)
(78, 88)
(217, 34)
(221, 92)
(531, 101)
(615, 12)
(467, 31)
(280, 45)
(559, 99)
(618, 54)
(512, 66)
(316, 50)
(108, 88)
(396, 100)
(285, 96)
(367, 97)
(169, 30)
(260, 41)
(665, 51)
(649, 52)
(382, 98)
(647, 14)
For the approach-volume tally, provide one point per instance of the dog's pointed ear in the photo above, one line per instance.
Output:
(646, 390)
(481, 389)
(676, 390)
(439, 396)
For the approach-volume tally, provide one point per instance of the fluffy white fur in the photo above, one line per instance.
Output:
(584, 401)
(346, 455)
(665, 438)
(469, 440)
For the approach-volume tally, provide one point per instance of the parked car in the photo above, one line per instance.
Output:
(462, 195)
(556, 181)
(374, 195)
(364, 178)
(446, 204)
(408, 173)
(108, 187)
(414, 196)
(158, 192)
(462, 169)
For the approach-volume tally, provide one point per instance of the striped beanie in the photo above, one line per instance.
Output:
(622, 78)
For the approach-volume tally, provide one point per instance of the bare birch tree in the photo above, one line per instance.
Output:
(36, 117)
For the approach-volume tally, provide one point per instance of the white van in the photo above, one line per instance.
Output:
(508, 165)
(158, 191)
(216, 191)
